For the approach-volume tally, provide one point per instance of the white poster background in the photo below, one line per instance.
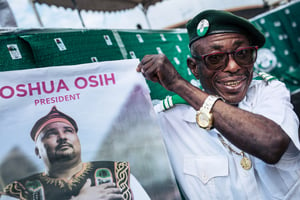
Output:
(111, 106)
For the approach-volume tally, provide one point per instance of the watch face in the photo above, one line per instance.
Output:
(203, 117)
(203, 120)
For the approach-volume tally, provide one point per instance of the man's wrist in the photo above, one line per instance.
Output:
(204, 117)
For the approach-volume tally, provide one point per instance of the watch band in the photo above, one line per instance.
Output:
(204, 116)
(209, 102)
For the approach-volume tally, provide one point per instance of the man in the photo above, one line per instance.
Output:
(66, 176)
(237, 138)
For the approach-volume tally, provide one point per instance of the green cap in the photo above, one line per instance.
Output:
(211, 22)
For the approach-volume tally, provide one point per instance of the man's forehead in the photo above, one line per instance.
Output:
(55, 126)
(218, 41)
(58, 124)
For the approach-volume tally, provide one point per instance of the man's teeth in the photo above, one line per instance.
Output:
(232, 83)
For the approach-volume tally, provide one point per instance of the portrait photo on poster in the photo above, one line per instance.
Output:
(80, 131)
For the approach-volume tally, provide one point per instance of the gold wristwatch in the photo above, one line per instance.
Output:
(204, 117)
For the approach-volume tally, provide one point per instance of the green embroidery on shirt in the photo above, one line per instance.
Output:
(265, 76)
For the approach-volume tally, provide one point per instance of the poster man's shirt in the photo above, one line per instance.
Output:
(41, 187)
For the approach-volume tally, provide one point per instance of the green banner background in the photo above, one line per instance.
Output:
(24, 49)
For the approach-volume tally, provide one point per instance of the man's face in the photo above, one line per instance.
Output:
(231, 81)
(58, 142)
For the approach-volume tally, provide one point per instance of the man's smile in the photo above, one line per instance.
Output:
(232, 84)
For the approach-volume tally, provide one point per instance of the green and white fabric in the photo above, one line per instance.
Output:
(24, 49)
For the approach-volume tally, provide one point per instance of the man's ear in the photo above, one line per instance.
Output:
(192, 64)
(37, 152)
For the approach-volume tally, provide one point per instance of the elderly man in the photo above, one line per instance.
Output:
(66, 176)
(237, 138)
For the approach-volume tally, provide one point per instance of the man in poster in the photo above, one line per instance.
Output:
(66, 176)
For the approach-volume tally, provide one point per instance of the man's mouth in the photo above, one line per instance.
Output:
(232, 83)
(63, 146)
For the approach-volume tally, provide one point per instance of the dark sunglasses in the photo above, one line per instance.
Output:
(244, 57)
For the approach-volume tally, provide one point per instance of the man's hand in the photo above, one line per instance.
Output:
(106, 191)
(158, 68)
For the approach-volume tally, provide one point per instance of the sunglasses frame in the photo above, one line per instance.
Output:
(203, 57)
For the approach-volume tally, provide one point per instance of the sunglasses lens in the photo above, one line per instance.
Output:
(216, 60)
(245, 56)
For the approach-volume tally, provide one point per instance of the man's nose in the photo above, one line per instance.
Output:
(61, 135)
(232, 66)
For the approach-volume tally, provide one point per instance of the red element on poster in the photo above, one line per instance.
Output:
(22, 90)
(95, 81)
(57, 99)
(39, 88)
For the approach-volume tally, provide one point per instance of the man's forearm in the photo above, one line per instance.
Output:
(252, 133)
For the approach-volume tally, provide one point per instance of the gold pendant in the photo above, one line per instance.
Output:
(246, 163)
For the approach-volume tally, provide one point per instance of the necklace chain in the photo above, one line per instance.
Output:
(245, 162)
(229, 147)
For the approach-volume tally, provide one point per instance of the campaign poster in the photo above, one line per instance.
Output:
(110, 105)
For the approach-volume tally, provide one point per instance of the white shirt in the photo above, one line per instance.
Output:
(138, 191)
(205, 169)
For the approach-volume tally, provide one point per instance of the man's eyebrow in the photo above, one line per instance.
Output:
(238, 42)
(235, 44)
(68, 127)
(216, 46)
(47, 132)
(50, 130)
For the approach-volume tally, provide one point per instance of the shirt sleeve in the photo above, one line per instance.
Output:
(137, 189)
(14, 190)
(274, 103)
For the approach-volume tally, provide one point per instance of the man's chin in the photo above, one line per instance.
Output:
(64, 156)
(233, 98)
